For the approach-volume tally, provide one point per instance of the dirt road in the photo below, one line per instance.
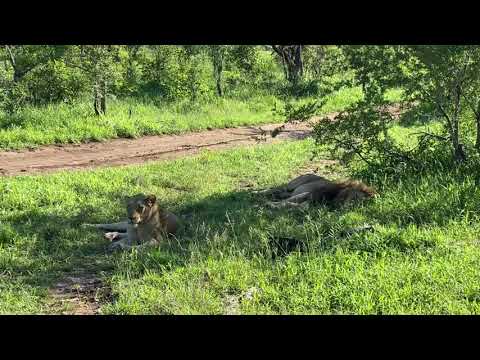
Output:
(132, 151)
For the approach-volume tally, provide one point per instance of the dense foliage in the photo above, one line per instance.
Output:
(437, 81)
(39, 75)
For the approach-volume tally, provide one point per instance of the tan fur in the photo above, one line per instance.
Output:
(148, 224)
(351, 191)
(313, 188)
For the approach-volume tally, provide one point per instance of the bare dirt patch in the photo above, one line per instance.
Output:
(79, 294)
(133, 151)
(119, 152)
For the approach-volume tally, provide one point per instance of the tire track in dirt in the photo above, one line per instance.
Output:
(120, 152)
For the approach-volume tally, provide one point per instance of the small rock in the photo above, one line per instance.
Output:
(251, 292)
(232, 305)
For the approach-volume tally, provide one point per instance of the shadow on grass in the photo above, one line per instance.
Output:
(235, 222)
(56, 245)
(432, 192)
(419, 115)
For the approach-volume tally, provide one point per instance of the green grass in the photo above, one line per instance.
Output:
(76, 123)
(423, 258)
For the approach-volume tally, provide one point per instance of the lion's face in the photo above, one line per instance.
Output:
(350, 195)
(139, 207)
(355, 194)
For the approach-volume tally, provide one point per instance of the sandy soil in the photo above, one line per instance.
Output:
(134, 151)
(119, 152)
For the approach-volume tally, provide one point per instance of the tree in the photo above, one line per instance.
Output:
(442, 78)
(133, 67)
(243, 57)
(218, 53)
(471, 88)
(179, 72)
(362, 129)
(313, 58)
(447, 77)
(22, 60)
(291, 58)
(101, 63)
(25, 58)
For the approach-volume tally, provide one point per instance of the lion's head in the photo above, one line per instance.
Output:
(139, 208)
(352, 191)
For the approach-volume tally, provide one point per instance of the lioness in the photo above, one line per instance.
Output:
(314, 188)
(148, 224)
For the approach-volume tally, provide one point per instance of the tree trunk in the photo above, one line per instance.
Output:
(291, 56)
(458, 151)
(217, 57)
(103, 101)
(18, 73)
(219, 85)
(100, 98)
(477, 142)
(458, 148)
(96, 100)
(477, 118)
(16, 76)
(297, 68)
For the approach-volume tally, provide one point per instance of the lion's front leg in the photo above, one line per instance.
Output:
(300, 198)
(268, 192)
(120, 227)
(275, 193)
(125, 244)
(131, 239)
(125, 240)
(115, 236)
(293, 201)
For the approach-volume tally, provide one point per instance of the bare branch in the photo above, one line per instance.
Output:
(12, 57)
(76, 66)
(430, 135)
(354, 148)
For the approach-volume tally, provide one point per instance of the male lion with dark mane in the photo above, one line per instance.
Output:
(316, 189)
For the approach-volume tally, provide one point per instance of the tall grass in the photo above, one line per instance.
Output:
(130, 118)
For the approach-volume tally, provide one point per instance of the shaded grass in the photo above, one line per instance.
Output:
(423, 257)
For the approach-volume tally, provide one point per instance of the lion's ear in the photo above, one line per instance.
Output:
(150, 200)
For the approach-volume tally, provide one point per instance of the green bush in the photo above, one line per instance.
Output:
(55, 82)
(174, 74)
